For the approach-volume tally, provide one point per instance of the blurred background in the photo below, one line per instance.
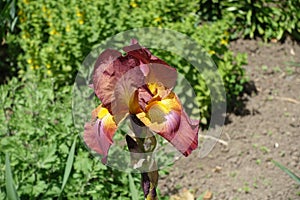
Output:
(43, 44)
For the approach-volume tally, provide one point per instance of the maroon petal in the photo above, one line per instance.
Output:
(124, 91)
(185, 138)
(109, 68)
(98, 136)
(154, 68)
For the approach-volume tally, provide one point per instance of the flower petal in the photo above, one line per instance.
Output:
(124, 92)
(98, 135)
(169, 120)
(109, 68)
(154, 68)
(185, 138)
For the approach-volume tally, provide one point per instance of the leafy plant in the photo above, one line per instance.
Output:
(265, 18)
(10, 186)
(41, 144)
(63, 44)
(9, 47)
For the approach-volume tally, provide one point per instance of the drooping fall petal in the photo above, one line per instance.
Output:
(167, 118)
(98, 135)
(185, 138)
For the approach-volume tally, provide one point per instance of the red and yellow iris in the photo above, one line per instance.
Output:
(137, 84)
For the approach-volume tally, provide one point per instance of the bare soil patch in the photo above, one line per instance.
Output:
(266, 128)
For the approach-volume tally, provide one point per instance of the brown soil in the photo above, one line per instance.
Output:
(268, 130)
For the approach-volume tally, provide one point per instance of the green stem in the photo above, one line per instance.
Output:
(141, 145)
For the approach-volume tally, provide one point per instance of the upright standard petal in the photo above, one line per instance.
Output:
(124, 91)
(109, 69)
(98, 135)
(155, 69)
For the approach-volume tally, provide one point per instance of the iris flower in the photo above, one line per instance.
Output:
(138, 85)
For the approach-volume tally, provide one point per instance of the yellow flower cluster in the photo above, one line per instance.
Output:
(32, 66)
(80, 16)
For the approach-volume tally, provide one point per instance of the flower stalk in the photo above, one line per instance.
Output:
(138, 86)
(141, 145)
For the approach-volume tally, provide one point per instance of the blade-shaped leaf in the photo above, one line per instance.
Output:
(286, 170)
(134, 192)
(10, 187)
(69, 165)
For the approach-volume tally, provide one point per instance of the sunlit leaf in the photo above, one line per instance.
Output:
(132, 187)
(69, 165)
(10, 187)
(287, 171)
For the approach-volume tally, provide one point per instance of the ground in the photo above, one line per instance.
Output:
(265, 128)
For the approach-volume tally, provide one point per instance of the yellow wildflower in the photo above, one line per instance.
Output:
(53, 32)
(44, 9)
(31, 67)
(157, 19)
(48, 66)
(81, 22)
(49, 72)
(79, 14)
(26, 1)
(25, 35)
(224, 42)
(68, 28)
(211, 52)
(133, 4)
(29, 61)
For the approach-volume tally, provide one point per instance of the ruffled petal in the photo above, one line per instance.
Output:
(155, 69)
(124, 92)
(98, 136)
(110, 67)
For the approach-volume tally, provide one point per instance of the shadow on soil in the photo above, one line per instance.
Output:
(238, 106)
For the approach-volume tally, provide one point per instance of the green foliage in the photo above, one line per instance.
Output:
(57, 35)
(37, 130)
(268, 19)
(135, 194)
(35, 110)
(10, 186)
(8, 17)
(69, 165)
(8, 45)
(64, 32)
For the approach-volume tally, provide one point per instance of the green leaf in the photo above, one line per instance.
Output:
(10, 187)
(132, 187)
(69, 165)
(287, 171)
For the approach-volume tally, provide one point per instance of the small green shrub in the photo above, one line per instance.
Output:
(268, 19)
